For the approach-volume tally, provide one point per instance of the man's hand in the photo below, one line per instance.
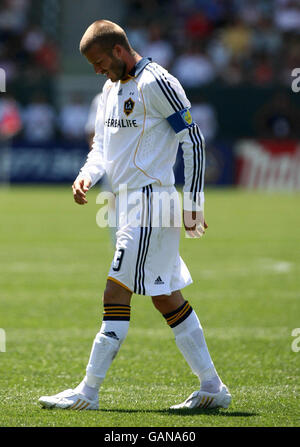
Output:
(194, 223)
(80, 188)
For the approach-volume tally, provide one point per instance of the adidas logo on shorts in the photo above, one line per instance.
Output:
(158, 280)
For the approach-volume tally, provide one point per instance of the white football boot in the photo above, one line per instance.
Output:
(69, 400)
(203, 399)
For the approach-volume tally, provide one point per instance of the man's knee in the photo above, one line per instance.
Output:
(168, 303)
(116, 294)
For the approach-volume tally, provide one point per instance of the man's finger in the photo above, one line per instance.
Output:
(192, 235)
(80, 200)
(86, 185)
(195, 232)
(199, 233)
(189, 234)
(80, 187)
(78, 191)
(200, 228)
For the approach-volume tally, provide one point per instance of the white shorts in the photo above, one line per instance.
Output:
(147, 260)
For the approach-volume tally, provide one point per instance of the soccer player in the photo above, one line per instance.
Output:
(143, 114)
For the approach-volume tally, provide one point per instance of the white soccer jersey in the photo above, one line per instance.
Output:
(139, 124)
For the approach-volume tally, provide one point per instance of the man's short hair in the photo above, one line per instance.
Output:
(106, 34)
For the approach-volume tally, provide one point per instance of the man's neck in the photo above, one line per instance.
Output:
(133, 59)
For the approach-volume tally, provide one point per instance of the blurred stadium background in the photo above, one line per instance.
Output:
(235, 59)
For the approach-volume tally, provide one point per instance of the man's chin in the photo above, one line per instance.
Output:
(113, 78)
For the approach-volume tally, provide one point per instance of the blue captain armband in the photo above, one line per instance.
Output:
(180, 120)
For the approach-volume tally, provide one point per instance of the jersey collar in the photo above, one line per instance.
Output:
(138, 68)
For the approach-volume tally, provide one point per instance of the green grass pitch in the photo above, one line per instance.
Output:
(54, 262)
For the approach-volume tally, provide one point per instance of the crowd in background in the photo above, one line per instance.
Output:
(26, 52)
(199, 41)
(234, 41)
(30, 58)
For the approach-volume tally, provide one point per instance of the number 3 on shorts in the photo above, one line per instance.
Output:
(118, 259)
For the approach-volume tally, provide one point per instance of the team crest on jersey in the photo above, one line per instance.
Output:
(186, 116)
(128, 106)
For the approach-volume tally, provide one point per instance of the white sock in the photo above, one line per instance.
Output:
(105, 347)
(190, 340)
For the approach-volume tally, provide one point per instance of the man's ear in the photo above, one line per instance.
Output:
(117, 50)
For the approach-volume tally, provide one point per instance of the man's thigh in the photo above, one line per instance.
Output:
(116, 294)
